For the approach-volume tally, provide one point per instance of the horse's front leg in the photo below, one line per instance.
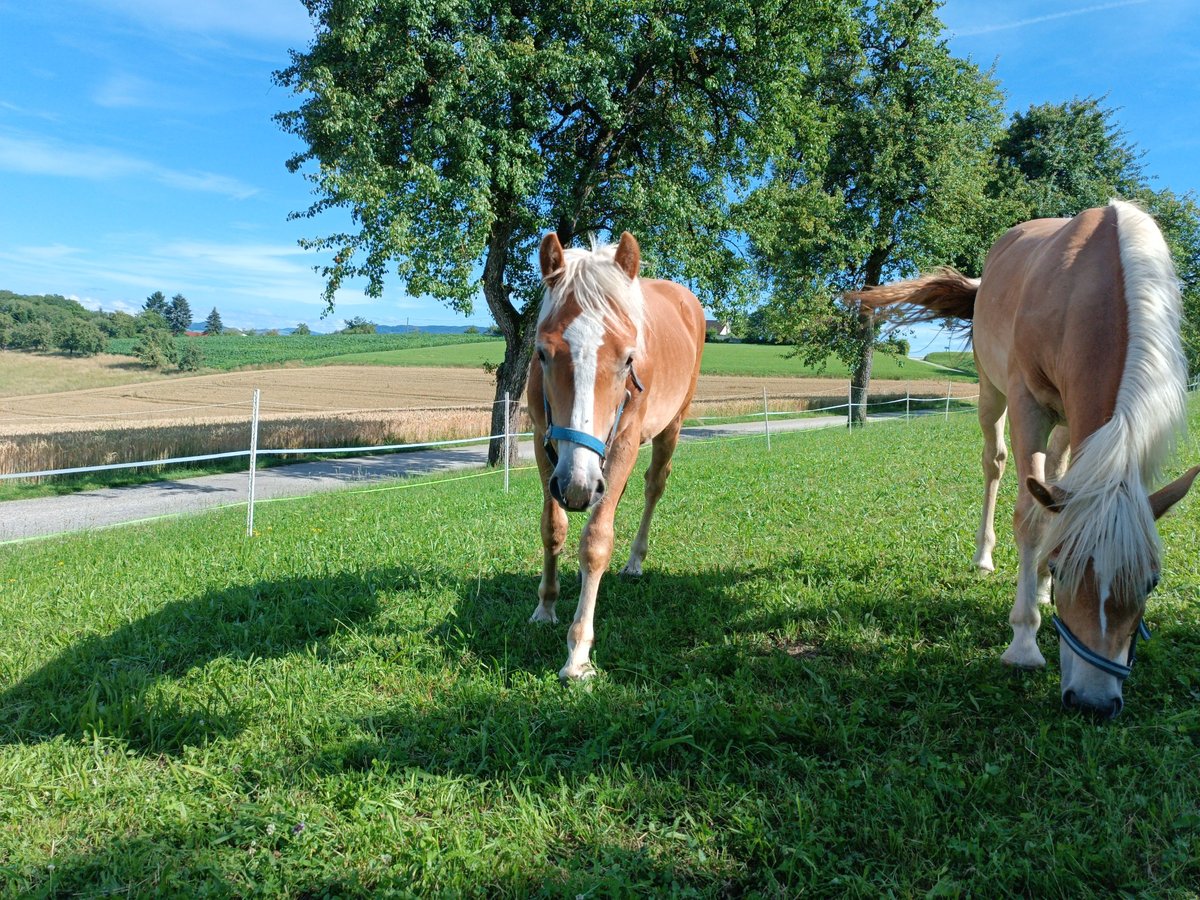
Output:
(1030, 429)
(554, 535)
(595, 553)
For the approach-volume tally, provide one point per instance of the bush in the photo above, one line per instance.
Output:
(190, 358)
(156, 349)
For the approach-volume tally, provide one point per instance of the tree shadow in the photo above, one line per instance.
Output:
(106, 683)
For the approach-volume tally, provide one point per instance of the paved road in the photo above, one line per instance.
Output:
(23, 519)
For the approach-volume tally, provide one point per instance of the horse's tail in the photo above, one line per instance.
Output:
(944, 293)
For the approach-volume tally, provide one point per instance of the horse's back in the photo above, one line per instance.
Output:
(1051, 303)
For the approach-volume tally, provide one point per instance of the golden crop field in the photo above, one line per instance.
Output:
(326, 406)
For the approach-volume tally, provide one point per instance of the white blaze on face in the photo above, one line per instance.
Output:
(579, 468)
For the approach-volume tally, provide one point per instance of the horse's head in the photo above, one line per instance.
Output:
(1100, 598)
(586, 346)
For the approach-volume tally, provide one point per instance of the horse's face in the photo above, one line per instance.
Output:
(1104, 617)
(1103, 612)
(586, 360)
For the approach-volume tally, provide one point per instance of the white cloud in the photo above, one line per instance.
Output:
(124, 91)
(1036, 20)
(37, 156)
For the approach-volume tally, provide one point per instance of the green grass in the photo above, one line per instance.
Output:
(719, 359)
(802, 696)
(226, 352)
(963, 360)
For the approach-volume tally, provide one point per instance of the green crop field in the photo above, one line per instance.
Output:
(803, 695)
(226, 352)
(719, 359)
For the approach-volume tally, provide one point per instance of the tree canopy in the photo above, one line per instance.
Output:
(456, 133)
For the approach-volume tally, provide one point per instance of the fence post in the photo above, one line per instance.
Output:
(507, 430)
(766, 420)
(907, 401)
(947, 401)
(253, 466)
(850, 405)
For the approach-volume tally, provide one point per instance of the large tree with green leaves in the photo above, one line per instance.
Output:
(457, 132)
(896, 181)
(179, 314)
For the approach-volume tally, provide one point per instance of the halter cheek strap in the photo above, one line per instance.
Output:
(582, 438)
(1091, 656)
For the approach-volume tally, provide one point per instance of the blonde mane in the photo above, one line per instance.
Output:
(1106, 519)
(597, 283)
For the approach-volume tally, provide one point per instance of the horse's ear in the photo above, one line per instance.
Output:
(1050, 496)
(550, 255)
(1166, 497)
(629, 255)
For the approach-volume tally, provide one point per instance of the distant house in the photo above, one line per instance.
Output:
(717, 327)
(194, 333)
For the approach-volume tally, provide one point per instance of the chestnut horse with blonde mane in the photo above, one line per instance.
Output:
(617, 358)
(1075, 329)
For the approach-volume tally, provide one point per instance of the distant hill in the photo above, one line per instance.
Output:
(382, 329)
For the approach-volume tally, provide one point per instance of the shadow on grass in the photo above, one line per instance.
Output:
(693, 670)
(107, 684)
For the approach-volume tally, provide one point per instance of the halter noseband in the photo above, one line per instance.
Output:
(582, 438)
(1091, 656)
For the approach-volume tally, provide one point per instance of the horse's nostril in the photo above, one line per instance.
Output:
(600, 488)
(1117, 705)
(556, 491)
(1069, 700)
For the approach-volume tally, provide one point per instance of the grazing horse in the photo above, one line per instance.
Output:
(617, 359)
(1075, 329)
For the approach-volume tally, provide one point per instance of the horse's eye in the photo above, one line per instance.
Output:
(541, 355)
(1153, 583)
(629, 363)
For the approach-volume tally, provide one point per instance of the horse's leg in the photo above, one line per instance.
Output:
(656, 483)
(554, 535)
(992, 408)
(1030, 429)
(1058, 456)
(595, 552)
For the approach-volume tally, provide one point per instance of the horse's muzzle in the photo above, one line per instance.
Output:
(577, 498)
(1107, 708)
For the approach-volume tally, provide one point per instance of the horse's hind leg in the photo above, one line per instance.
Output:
(656, 483)
(992, 408)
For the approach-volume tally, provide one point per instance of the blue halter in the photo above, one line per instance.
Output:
(582, 438)
(1091, 656)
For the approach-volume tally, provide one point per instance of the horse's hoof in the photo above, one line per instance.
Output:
(569, 674)
(631, 572)
(543, 616)
(1025, 661)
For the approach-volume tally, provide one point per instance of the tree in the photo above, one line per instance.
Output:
(359, 325)
(156, 349)
(897, 182)
(1070, 157)
(212, 325)
(36, 335)
(190, 358)
(156, 302)
(80, 338)
(302, 328)
(179, 314)
(457, 134)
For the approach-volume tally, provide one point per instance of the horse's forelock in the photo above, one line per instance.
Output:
(597, 284)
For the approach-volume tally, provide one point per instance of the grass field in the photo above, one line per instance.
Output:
(225, 352)
(803, 695)
(719, 359)
(963, 360)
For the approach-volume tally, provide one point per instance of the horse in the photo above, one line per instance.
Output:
(616, 362)
(1075, 331)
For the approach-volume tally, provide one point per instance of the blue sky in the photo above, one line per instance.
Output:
(137, 150)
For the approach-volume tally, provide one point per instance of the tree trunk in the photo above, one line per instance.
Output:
(860, 375)
(517, 328)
